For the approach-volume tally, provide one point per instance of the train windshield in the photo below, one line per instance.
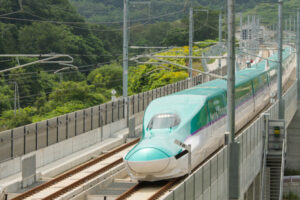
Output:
(163, 121)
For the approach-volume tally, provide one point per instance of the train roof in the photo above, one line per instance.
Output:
(208, 89)
(217, 86)
(192, 99)
(248, 74)
(185, 104)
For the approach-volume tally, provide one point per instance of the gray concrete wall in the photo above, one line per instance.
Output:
(64, 148)
(293, 142)
(291, 187)
(210, 181)
(254, 190)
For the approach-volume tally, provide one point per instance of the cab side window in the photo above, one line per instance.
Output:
(201, 119)
(216, 107)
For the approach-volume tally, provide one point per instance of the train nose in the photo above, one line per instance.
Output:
(148, 160)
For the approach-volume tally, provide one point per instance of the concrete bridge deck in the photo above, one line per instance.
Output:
(209, 182)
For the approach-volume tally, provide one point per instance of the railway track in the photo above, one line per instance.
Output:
(71, 179)
(149, 190)
(153, 191)
(79, 175)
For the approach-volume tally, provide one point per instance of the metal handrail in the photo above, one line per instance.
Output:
(264, 158)
(282, 170)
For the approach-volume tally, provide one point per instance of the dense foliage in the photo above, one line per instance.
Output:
(37, 92)
(42, 27)
(112, 10)
(268, 12)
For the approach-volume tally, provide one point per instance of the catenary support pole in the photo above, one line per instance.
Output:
(191, 24)
(15, 99)
(255, 34)
(233, 175)
(258, 31)
(279, 71)
(220, 37)
(231, 69)
(252, 33)
(241, 30)
(290, 30)
(294, 25)
(248, 36)
(125, 58)
(298, 51)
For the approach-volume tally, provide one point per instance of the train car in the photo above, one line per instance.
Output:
(197, 117)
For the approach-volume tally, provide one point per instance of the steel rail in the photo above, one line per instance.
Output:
(162, 190)
(82, 180)
(75, 171)
(168, 185)
(135, 188)
(173, 182)
(129, 192)
(165, 188)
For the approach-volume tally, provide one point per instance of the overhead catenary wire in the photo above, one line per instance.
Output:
(37, 75)
(79, 67)
(71, 10)
(88, 23)
(43, 92)
(14, 12)
(70, 24)
(97, 84)
(5, 60)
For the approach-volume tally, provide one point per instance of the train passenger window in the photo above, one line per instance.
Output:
(165, 120)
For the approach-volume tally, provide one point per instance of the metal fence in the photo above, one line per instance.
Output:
(210, 181)
(28, 138)
(25, 139)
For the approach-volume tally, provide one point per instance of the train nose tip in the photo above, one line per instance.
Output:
(148, 154)
(148, 160)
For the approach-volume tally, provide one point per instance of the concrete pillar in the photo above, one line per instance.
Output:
(28, 170)
(132, 127)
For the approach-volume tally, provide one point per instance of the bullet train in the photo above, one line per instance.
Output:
(197, 117)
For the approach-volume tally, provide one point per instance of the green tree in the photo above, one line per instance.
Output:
(147, 77)
(8, 38)
(75, 91)
(67, 97)
(6, 96)
(47, 38)
(31, 82)
(107, 76)
(10, 120)
(205, 23)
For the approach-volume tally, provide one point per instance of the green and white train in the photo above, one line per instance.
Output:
(197, 116)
